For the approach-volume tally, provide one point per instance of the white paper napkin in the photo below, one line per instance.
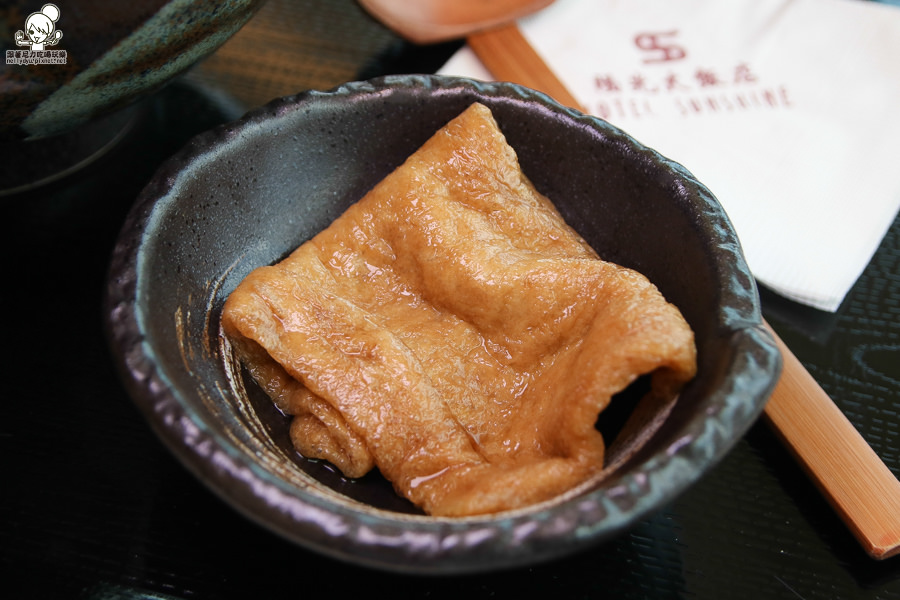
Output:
(788, 110)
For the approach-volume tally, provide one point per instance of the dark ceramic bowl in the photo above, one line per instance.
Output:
(246, 194)
(115, 53)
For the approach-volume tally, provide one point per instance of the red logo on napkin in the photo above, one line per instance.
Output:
(659, 46)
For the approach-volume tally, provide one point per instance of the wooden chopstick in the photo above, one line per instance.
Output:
(855, 481)
(510, 57)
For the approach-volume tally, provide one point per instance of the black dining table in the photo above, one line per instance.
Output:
(94, 506)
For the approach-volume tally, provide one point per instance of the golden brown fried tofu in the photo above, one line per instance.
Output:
(451, 330)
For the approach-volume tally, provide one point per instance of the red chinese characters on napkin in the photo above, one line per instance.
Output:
(785, 109)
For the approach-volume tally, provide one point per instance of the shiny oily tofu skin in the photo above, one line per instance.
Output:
(450, 330)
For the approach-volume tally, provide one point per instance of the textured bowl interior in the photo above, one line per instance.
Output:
(247, 194)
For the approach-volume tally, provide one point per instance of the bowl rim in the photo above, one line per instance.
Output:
(413, 544)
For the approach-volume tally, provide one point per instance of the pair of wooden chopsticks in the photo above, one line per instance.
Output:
(856, 482)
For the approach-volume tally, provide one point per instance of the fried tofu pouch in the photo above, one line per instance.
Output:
(451, 330)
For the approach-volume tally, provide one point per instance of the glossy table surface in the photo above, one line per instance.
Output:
(93, 506)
